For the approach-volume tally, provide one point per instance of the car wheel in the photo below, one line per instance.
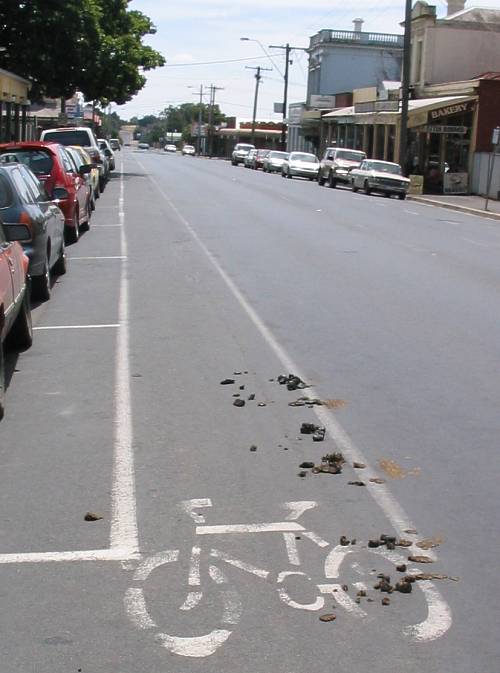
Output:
(85, 226)
(92, 201)
(40, 288)
(61, 266)
(289, 175)
(321, 180)
(331, 181)
(353, 187)
(367, 188)
(21, 334)
(97, 192)
(401, 197)
(102, 183)
(72, 234)
(233, 163)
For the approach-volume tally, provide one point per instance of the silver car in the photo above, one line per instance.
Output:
(239, 153)
(274, 161)
(380, 176)
(301, 164)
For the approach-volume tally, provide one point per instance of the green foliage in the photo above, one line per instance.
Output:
(175, 119)
(94, 46)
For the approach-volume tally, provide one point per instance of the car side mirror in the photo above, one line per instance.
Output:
(17, 232)
(84, 169)
(108, 153)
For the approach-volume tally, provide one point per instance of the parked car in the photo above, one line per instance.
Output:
(15, 311)
(92, 177)
(380, 176)
(78, 163)
(53, 166)
(249, 158)
(105, 147)
(188, 150)
(258, 160)
(83, 136)
(301, 164)
(336, 165)
(115, 144)
(143, 146)
(239, 153)
(274, 161)
(25, 201)
(170, 148)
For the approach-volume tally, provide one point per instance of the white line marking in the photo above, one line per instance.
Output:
(361, 586)
(155, 561)
(194, 567)
(318, 603)
(478, 243)
(135, 606)
(316, 539)
(278, 527)
(342, 598)
(438, 619)
(192, 600)
(232, 608)
(116, 554)
(198, 647)
(217, 575)
(103, 226)
(50, 327)
(110, 257)
(291, 549)
(298, 508)
(190, 505)
(124, 531)
(242, 565)
(411, 212)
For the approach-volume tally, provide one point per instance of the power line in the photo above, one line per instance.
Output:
(231, 60)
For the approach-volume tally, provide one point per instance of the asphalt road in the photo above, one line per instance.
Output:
(194, 270)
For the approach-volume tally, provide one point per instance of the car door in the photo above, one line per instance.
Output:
(76, 182)
(7, 281)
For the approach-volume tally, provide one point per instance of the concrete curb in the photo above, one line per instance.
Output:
(453, 206)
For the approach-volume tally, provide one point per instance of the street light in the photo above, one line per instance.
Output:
(288, 49)
(251, 39)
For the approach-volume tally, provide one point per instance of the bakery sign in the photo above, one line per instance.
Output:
(449, 110)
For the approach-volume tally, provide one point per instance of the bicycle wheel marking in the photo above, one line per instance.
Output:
(194, 567)
(242, 565)
(438, 618)
(198, 647)
(318, 604)
(291, 549)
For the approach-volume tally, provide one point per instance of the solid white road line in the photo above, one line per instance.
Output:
(110, 257)
(124, 531)
(116, 554)
(49, 327)
(279, 527)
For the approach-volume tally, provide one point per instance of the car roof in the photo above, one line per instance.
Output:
(30, 144)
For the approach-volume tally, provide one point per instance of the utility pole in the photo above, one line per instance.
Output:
(405, 90)
(213, 91)
(258, 77)
(200, 118)
(288, 49)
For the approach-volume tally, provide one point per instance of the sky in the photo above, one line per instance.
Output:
(195, 32)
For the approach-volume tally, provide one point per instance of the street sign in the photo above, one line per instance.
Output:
(278, 108)
(441, 128)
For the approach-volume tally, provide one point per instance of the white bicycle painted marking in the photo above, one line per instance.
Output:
(436, 624)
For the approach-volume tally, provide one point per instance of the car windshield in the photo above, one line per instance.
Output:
(347, 155)
(244, 147)
(278, 155)
(69, 137)
(383, 167)
(40, 162)
(302, 156)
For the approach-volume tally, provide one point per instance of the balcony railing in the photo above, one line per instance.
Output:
(355, 37)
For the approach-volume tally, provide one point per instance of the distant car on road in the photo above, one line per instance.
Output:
(249, 159)
(143, 146)
(380, 176)
(258, 160)
(274, 161)
(239, 153)
(15, 325)
(115, 144)
(301, 164)
(336, 164)
(170, 148)
(188, 150)
(105, 147)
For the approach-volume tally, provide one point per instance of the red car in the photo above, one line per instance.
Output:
(15, 312)
(65, 184)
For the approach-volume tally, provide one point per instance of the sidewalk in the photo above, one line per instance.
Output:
(473, 205)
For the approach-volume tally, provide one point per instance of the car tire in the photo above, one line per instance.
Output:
(97, 192)
(40, 287)
(367, 189)
(85, 226)
(102, 184)
(354, 188)
(289, 175)
(72, 234)
(61, 266)
(234, 163)
(21, 334)
(321, 180)
(401, 197)
(92, 201)
(331, 181)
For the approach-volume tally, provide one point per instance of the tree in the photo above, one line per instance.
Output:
(121, 56)
(64, 45)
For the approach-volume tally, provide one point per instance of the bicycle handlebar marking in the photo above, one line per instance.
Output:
(278, 527)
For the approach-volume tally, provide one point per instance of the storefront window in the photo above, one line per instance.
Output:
(390, 143)
(380, 131)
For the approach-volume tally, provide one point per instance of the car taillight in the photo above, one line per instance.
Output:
(24, 218)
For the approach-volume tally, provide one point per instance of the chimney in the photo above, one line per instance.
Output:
(455, 6)
(358, 25)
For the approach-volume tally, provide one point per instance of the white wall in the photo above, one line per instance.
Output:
(480, 175)
(452, 55)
